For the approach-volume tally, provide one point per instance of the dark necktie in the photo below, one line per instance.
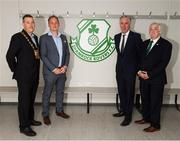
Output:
(149, 47)
(122, 45)
(33, 39)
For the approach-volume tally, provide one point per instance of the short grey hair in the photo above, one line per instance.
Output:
(158, 25)
(125, 16)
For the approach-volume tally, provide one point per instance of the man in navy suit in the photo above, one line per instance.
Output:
(24, 61)
(55, 56)
(127, 45)
(156, 55)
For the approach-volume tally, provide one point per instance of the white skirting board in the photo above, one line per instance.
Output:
(78, 98)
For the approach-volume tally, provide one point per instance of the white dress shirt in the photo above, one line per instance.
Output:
(125, 39)
(154, 42)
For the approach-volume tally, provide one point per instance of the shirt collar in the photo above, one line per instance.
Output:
(127, 33)
(50, 34)
(30, 34)
(155, 40)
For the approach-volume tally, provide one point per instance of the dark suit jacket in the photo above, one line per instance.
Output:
(156, 61)
(21, 59)
(127, 62)
(50, 55)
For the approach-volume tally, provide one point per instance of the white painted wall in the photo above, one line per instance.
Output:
(81, 73)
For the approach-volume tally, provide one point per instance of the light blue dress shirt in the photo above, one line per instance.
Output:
(58, 42)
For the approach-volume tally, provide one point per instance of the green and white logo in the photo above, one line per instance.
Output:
(93, 43)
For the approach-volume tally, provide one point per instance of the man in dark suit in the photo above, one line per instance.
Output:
(127, 45)
(23, 60)
(156, 55)
(55, 56)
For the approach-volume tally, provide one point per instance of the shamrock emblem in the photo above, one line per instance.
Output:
(93, 39)
(93, 29)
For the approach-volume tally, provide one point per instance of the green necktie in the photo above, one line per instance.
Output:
(149, 47)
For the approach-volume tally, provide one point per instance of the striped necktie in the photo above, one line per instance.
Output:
(149, 47)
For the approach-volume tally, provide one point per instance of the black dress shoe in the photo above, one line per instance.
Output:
(118, 114)
(125, 122)
(28, 131)
(35, 123)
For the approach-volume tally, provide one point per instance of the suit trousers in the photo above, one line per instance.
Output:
(26, 98)
(52, 80)
(152, 97)
(126, 88)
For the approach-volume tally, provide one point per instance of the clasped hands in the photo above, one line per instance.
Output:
(60, 70)
(143, 75)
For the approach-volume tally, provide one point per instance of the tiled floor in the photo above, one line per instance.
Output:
(97, 125)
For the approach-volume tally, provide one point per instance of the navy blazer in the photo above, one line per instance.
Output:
(128, 61)
(21, 59)
(50, 55)
(156, 61)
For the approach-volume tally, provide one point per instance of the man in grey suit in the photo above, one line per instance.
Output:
(55, 56)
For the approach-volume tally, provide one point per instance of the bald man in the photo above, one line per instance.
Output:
(156, 55)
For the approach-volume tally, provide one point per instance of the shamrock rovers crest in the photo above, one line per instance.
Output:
(93, 43)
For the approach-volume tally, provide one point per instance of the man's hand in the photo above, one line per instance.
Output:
(143, 75)
(60, 70)
(56, 71)
(63, 69)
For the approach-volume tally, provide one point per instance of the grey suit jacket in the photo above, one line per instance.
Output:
(49, 53)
